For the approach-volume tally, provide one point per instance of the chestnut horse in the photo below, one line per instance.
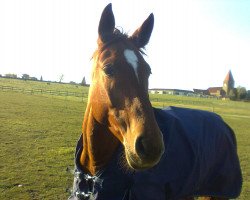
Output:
(118, 114)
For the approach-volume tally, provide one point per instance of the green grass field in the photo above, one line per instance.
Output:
(38, 134)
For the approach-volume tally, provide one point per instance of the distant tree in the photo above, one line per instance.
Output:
(83, 81)
(72, 82)
(41, 78)
(61, 78)
(233, 94)
(248, 95)
(241, 92)
(25, 76)
(0, 75)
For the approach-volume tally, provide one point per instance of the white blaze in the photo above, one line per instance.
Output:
(132, 60)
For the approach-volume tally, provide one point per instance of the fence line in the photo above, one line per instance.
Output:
(43, 91)
(162, 102)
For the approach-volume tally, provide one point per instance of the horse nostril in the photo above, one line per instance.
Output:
(141, 147)
(147, 149)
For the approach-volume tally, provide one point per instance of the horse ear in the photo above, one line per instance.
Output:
(142, 35)
(106, 24)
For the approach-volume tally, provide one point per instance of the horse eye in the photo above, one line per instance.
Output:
(109, 70)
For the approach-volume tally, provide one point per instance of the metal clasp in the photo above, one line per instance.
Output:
(83, 195)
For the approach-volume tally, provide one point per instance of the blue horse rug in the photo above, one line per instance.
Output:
(200, 160)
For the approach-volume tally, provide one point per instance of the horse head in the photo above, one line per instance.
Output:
(119, 91)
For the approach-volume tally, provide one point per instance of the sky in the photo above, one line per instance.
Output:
(193, 45)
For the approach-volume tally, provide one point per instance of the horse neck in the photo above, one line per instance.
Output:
(99, 143)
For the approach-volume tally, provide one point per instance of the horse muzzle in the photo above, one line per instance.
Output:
(147, 152)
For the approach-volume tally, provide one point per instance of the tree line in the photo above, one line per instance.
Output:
(28, 77)
(239, 93)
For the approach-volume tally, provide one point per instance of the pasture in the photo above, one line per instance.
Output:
(38, 134)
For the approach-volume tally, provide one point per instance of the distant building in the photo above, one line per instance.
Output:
(228, 85)
(201, 92)
(170, 91)
(215, 91)
(10, 76)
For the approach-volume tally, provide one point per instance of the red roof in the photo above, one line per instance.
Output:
(214, 89)
(229, 77)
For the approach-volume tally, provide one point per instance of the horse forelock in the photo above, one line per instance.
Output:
(116, 37)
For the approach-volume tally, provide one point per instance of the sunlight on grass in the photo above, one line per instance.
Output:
(38, 135)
